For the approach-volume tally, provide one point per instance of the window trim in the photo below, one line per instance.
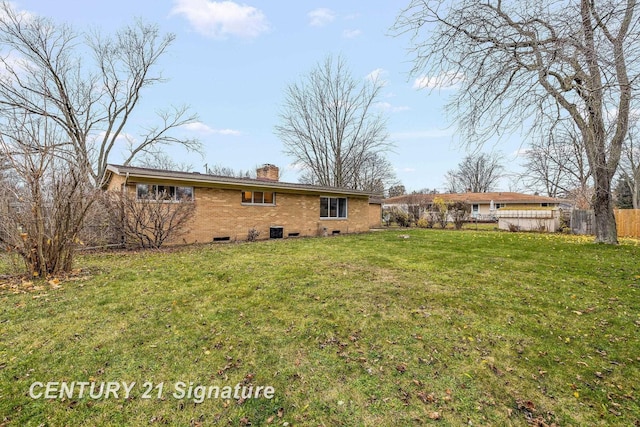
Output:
(253, 202)
(346, 208)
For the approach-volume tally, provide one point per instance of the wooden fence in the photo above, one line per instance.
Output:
(582, 222)
(628, 222)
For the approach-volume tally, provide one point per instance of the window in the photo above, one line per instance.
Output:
(184, 193)
(544, 205)
(168, 193)
(259, 197)
(500, 205)
(333, 207)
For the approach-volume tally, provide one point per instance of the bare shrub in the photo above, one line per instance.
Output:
(439, 210)
(253, 234)
(147, 222)
(459, 213)
(46, 200)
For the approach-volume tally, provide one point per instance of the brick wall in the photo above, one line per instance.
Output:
(375, 215)
(220, 214)
(115, 183)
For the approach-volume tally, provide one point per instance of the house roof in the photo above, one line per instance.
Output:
(479, 198)
(138, 173)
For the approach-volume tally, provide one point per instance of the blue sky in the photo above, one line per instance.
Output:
(231, 63)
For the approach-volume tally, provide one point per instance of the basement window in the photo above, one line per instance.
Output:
(259, 198)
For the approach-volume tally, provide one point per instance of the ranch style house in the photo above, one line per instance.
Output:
(226, 208)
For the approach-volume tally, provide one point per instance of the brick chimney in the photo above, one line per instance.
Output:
(268, 172)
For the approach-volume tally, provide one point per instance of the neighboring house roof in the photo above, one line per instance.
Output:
(195, 178)
(479, 198)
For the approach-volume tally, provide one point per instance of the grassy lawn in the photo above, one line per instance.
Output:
(399, 327)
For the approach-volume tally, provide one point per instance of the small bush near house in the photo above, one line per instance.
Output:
(398, 216)
(253, 234)
(514, 228)
(440, 212)
(423, 223)
(402, 219)
(459, 213)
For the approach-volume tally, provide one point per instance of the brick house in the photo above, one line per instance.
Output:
(227, 208)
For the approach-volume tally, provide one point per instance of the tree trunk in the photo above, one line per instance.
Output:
(605, 220)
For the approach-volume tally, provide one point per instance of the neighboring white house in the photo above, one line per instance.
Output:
(484, 206)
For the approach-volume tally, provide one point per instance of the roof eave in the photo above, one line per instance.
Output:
(210, 180)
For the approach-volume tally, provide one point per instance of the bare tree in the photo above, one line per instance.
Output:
(376, 174)
(48, 201)
(329, 126)
(557, 165)
(397, 190)
(87, 85)
(630, 164)
(476, 173)
(227, 171)
(148, 222)
(532, 64)
(162, 160)
(623, 194)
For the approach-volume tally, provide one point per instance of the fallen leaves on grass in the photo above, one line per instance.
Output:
(435, 415)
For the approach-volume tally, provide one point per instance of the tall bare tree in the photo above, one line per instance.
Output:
(49, 199)
(329, 125)
(376, 174)
(557, 165)
(88, 85)
(477, 173)
(532, 64)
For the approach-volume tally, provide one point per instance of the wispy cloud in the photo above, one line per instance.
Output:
(377, 75)
(321, 17)
(351, 34)
(222, 19)
(443, 81)
(388, 107)
(23, 14)
(521, 152)
(199, 127)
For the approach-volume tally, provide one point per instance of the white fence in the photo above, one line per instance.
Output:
(546, 220)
